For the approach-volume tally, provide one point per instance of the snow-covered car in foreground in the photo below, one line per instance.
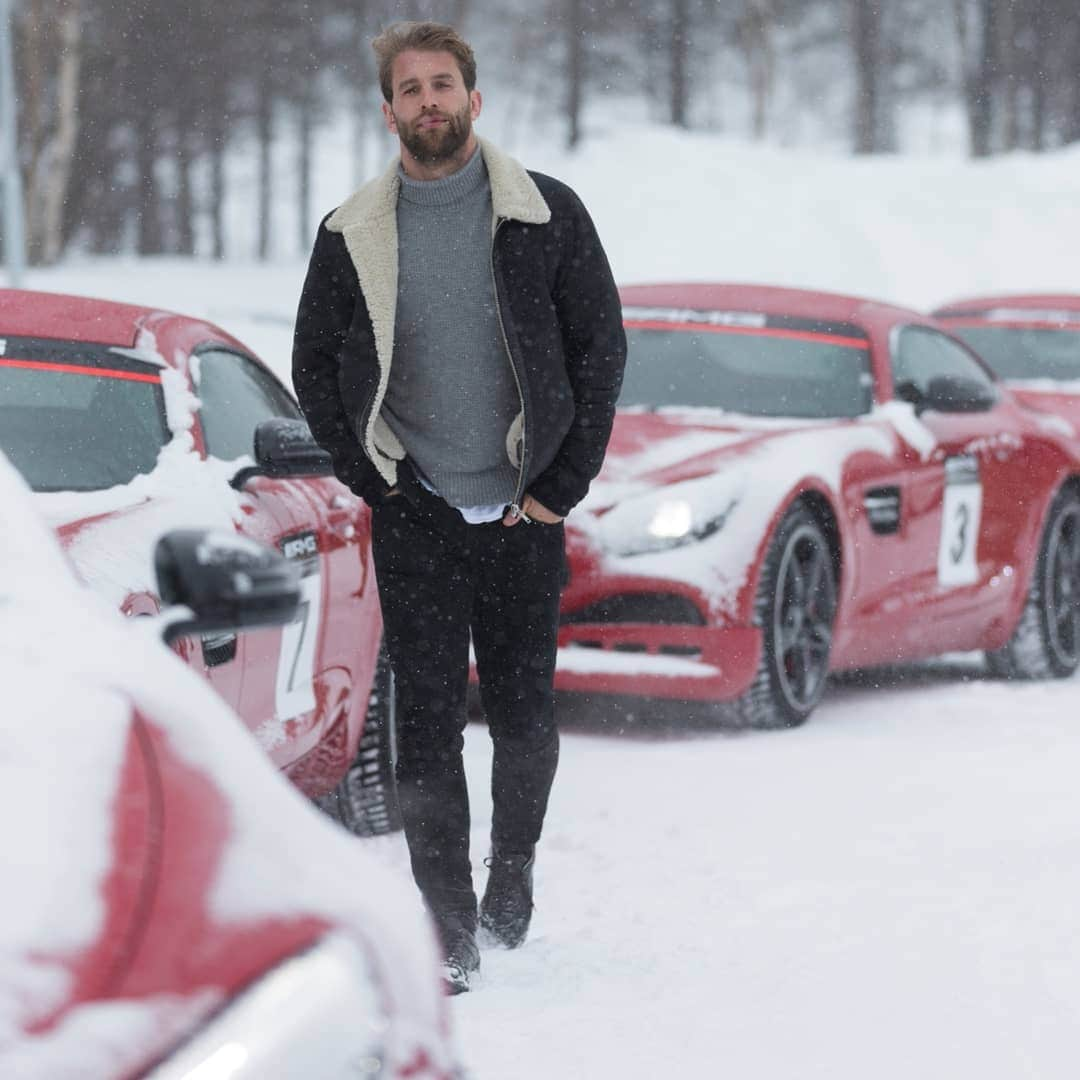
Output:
(801, 482)
(1031, 341)
(172, 906)
(128, 422)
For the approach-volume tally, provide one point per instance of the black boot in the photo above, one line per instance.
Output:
(507, 906)
(461, 957)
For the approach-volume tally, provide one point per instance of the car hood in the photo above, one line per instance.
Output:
(656, 449)
(735, 474)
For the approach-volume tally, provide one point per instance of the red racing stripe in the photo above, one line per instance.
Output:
(75, 369)
(755, 331)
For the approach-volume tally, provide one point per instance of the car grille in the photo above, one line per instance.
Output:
(664, 608)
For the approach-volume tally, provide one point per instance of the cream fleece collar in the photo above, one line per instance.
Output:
(513, 195)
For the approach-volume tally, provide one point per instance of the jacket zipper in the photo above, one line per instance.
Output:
(515, 507)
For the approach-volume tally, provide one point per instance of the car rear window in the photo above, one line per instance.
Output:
(746, 363)
(78, 417)
(1026, 352)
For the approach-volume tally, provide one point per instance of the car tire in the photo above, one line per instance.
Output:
(365, 801)
(1046, 641)
(795, 608)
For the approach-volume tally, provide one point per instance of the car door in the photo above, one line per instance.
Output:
(282, 671)
(960, 490)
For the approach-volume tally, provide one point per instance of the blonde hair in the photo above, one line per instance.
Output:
(426, 37)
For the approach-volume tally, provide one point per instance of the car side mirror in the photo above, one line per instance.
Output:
(958, 394)
(218, 581)
(909, 391)
(284, 447)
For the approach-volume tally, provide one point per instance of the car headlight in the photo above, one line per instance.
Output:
(660, 524)
(315, 1014)
(672, 520)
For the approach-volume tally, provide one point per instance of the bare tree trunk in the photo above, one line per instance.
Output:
(755, 36)
(1042, 31)
(217, 146)
(149, 238)
(1072, 120)
(866, 46)
(1008, 59)
(48, 123)
(265, 124)
(185, 197)
(678, 52)
(459, 10)
(574, 28)
(303, 165)
(979, 54)
(60, 151)
(31, 50)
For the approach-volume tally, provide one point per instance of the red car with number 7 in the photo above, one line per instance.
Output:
(127, 422)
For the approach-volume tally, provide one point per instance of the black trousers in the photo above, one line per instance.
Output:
(439, 579)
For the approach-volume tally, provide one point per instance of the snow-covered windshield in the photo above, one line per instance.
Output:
(77, 417)
(766, 369)
(1027, 352)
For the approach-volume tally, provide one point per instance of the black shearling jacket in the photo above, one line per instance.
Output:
(559, 310)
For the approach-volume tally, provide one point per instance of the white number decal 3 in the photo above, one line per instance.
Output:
(294, 693)
(960, 516)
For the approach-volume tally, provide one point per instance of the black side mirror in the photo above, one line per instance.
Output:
(909, 391)
(284, 447)
(224, 582)
(958, 394)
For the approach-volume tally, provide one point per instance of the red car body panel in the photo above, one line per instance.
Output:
(892, 605)
(162, 867)
(170, 829)
(314, 746)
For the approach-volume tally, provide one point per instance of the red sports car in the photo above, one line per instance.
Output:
(172, 907)
(800, 482)
(1031, 341)
(128, 422)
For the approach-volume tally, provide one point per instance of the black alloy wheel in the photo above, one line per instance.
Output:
(1046, 641)
(1061, 589)
(804, 607)
(796, 608)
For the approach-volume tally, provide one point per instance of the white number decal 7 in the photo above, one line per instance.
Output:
(294, 692)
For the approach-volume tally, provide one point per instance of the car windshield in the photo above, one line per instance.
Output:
(1016, 352)
(750, 364)
(77, 417)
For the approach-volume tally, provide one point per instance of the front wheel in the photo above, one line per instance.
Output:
(795, 607)
(365, 801)
(1046, 641)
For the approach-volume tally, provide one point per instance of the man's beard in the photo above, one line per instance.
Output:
(433, 146)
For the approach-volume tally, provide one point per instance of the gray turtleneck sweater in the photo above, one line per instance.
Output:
(451, 397)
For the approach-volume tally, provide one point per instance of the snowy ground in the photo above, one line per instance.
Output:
(886, 892)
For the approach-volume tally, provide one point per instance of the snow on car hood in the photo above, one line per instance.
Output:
(63, 740)
(734, 469)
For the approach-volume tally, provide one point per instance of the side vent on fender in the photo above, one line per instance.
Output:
(883, 509)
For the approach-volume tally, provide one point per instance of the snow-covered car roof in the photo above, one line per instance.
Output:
(23, 313)
(770, 299)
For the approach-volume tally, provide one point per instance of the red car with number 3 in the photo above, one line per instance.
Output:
(801, 482)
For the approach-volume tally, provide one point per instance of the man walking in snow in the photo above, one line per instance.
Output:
(458, 351)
